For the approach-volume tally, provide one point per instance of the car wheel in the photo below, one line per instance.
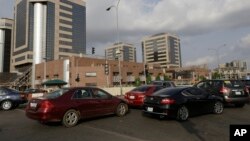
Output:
(70, 118)
(218, 107)
(121, 109)
(6, 105)
(182, 113)
(240, 105)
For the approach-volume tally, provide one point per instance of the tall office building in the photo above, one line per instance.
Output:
(48, 30)
(127, 52)
(162, 49)
(6, 26)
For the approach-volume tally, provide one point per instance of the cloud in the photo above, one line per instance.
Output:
(245, 42)
(201, 61)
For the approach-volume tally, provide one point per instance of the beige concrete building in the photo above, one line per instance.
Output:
(127, 52)
(236, 69)
(6, 28)
(163, 49)
(47, 30)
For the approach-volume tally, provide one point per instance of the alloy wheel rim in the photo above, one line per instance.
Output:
(71, 118)
(218, 108)
(183, 113)
(6, 105)
(122, 109)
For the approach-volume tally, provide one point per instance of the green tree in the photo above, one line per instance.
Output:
(158, 77)
(216, 75)
(148, 79)
(166, 78)
(137, 82)
(202, 78)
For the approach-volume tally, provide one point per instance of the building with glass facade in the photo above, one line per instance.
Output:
(6, 26)
(47, 30)
(162, 49)
(126, 52)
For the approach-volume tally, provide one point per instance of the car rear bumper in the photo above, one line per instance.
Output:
(236, 100)
(41, 116)
(165, 110)
(135, 103)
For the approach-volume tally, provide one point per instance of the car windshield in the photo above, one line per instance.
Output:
(233, 84)
(247, 82)
(56, 93)
(140, 89)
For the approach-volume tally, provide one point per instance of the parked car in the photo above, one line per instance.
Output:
(182, 102)
(32, 93)
(232, 91)
(246, 82)
(69, 105)
(163, 83)
(10, 98)
(136, 96)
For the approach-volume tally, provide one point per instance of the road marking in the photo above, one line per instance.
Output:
(115, 133)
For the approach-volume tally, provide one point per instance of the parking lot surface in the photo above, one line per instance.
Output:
(15, 126)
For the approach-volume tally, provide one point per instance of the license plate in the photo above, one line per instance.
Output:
(237, 93)
(131, 97)
(33, 105)
(150, 109)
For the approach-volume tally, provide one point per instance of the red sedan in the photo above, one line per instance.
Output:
(69, 105)
(136, 96)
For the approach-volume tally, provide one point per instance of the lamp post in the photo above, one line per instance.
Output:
(218, 58)
(118, 52)
(117, 18)
(45, 69)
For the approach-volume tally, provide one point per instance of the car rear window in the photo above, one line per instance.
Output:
(157, 83)
(168, 91)
(233, 84)
(247, 82)
(56, 93)
(140, 89)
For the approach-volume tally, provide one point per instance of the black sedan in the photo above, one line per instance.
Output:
(181, 103)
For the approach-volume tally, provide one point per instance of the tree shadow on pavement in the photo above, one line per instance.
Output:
(190, 127)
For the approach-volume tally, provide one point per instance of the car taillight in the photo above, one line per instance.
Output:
(247, 89)
(167, 101)
(46, 105)
(224, 90)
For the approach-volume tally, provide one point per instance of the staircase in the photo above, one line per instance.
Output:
(23, 80)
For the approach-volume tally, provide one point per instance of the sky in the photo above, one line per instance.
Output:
(211, 31)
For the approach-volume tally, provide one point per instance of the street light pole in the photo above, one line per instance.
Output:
(118, 52)
(45, 69)
(218, 58)
(118, 40)
(117, 19)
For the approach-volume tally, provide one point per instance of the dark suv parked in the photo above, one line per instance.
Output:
(232, 91)
(246, 83)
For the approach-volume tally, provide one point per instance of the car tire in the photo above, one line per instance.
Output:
(121, 109)
(6, 105)
(218, 107)
(240, 105)
(182, 113)
(70, 118)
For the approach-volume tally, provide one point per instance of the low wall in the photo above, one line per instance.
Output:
(116, 90)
